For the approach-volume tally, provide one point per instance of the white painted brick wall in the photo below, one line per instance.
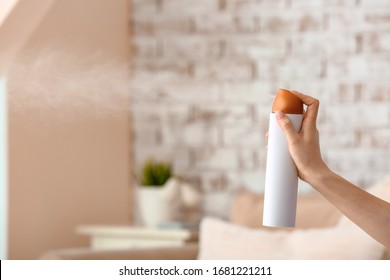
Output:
(205, 73)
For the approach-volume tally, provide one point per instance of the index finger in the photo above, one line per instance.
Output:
(312, 108)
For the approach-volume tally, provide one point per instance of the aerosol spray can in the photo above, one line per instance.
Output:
(281, 180)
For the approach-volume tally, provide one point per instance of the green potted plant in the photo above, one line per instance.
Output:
(155, 174)
(153, 208)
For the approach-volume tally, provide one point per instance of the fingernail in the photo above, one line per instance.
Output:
(279, 114)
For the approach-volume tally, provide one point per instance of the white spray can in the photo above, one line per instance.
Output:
(281, 179)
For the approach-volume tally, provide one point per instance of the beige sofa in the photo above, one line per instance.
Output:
(246, 210)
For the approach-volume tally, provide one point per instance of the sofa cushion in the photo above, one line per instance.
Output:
(223, 240)
(335, 237)
(313, 211)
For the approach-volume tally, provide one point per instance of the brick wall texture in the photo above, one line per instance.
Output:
(205, 72)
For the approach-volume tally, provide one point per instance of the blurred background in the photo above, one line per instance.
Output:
(97, 88)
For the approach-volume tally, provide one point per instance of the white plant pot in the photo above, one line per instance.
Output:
(153, 208)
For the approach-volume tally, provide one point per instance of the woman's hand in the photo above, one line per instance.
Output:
(304, 145)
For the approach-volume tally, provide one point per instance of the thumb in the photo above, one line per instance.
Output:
(286, 125)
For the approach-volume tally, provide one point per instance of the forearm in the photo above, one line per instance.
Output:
(367, 211)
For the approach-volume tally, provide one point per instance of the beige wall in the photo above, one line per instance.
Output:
(62, 175)
(13, 34)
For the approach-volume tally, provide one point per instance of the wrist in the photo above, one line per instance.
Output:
(319, 176)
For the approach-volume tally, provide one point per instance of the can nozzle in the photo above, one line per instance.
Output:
(287, 102)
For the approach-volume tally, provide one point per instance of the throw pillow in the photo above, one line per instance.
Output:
(223, 240)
